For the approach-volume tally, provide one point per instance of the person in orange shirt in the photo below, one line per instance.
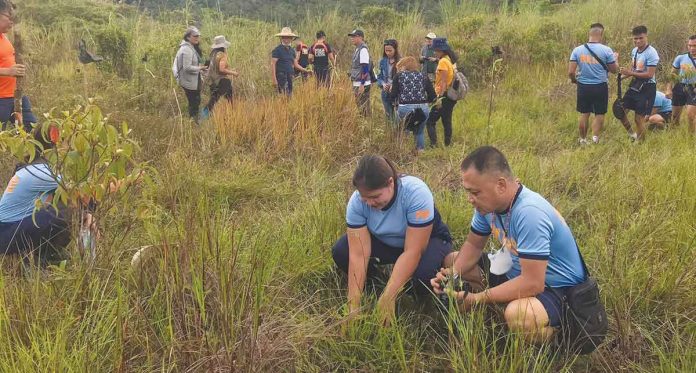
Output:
(9, 71)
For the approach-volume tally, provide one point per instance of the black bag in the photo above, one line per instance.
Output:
(414, 119)
(618, 108)
(637, 83)
(585, 323)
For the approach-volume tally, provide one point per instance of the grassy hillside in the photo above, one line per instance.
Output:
(243, 210)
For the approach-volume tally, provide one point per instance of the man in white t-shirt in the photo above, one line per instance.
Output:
(360, 71)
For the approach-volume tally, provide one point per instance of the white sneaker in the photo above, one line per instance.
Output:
(595, 139)
(582, 141)
(633, 136)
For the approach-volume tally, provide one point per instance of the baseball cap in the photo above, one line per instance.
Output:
(357, 32)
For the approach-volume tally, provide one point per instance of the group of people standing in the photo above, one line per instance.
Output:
(191, 72)
(590, 65)
(407, 86)
(413, 90)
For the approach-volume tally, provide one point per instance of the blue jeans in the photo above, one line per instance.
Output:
(403, 110)
(388, 106)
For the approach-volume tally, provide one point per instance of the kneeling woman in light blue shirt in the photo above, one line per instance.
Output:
(391, 219)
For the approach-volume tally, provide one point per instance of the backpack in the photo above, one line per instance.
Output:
(459, 88)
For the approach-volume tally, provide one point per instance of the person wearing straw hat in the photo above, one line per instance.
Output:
(187, 69)
(219, 73)
(284, 63)
(427, 57)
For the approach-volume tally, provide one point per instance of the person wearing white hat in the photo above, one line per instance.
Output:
(219, 72)
(284, 63)
(427, 57)
(187, 69)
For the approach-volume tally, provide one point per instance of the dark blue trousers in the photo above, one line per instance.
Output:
(23, 237)
(285, 82)
(429, 265)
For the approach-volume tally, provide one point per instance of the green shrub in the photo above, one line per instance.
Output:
(379, 16)
(114, 44)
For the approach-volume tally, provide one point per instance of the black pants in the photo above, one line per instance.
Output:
(194, 103)
(222, 89)
(323, 77)
(285, 82)
(444, 112)
(363, 100)
(429, 265)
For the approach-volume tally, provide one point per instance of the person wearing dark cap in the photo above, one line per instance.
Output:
(444, 76)
(323, 58)
(360, 71)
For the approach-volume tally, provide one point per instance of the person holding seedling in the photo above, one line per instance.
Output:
(538, 272)
(24, 231)
(391, 219)
(684, 92)
(641, 92)
(589, 68)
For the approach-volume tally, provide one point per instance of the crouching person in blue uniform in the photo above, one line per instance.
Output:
(538, 269)
(44, 232)
(391, 219)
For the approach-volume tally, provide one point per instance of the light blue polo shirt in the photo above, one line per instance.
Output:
(645, 59)
(26, 186)
(590, 71)
(535, 230)
(662, 103)
(412, 206)
(685, 66)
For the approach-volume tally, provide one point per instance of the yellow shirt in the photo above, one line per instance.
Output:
(446, 65)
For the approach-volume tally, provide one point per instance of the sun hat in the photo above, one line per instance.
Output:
(286, 32)
(220, 42)
(431, 36)
(357, 32)
(441, 44)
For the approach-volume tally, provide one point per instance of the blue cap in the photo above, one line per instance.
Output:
(441, 44)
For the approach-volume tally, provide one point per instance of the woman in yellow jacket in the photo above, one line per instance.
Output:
(444, 75)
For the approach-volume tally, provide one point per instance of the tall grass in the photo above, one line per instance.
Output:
(244, 209)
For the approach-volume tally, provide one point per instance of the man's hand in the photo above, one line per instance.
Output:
(16, 70)
(432, 59)
(386, 310)
(465, 299)
(387, 87)
(203, 67)
(436, 282)
(625, 72)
